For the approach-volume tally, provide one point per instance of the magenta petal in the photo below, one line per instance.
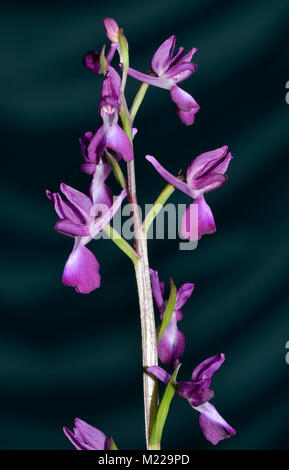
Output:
(107, 216)
(163, 56)
(96, 146)
(214, 427)
(184, 293)
(91, 61)
(181, 71)
(79, 200)
(157, 290)
(161, 82)
(78, 444)
(84, 141)
(117, 140)
(172, 344)
(193, 227)
(159, 373)
(81, 271)
(186, 105)
(66, 227)
(63, 209)
(205, 162)
(183, 100)
(86, 437)
(168, 176)
(208, 367)
(91, 435)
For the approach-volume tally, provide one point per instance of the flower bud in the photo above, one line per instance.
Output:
(111, 28)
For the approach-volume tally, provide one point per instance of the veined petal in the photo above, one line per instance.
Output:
(214, 427)
(168, 176)
(183, 100)
(184, 293)
(66, 227)
(97, 145)
(181, 71)
(79, 200)
(205, 161)
(98, 225)
(159, 373)
(187, 107)
(188, 56)
(161, 82)
(208, 367)
(63, 209)
(117, 140)
(194, 226)
(91, 435)
(157, 290)
(79, 445)
(162, 57)
(81, 271)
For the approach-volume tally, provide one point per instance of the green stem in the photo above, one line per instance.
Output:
(156, 434)
(168, 312)
(138, 100)
(116, 169)
(157, 207)
(121, 243)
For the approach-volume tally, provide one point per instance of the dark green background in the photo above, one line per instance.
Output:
(64, 355)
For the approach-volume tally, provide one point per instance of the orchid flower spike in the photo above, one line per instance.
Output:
(206, 172)
(86, 437)
(82, 219)
(172, 343)
(198, 394)
(110, 135)
(167, 70)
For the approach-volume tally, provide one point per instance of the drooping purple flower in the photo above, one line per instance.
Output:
(110, 135)
(86, 437)
(206, 172)
(172, 343)
(167, 70)
(82, 218)
(198, 394)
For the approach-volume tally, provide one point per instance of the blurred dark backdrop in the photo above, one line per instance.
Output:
(64, 355)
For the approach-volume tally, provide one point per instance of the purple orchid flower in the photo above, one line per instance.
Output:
(110, 135)
(198, 394)
(206, 172)
(86, 437)
(172, 343)
(167, 70)
(82, 218)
